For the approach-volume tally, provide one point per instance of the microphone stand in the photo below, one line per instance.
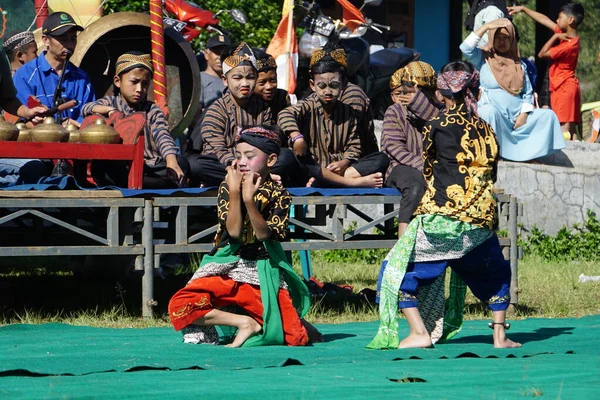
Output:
(61, 168)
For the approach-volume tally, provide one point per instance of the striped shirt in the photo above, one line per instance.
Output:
(402, 139)
(158, 142)
(329, 139)
(223, 119)
(356, 98)
(39, 79)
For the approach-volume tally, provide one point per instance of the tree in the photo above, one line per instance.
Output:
(263, 17)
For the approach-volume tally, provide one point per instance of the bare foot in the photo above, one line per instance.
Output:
(310, 182)
(373, 181)
(247, 329)
(506, 344)
(415, 341)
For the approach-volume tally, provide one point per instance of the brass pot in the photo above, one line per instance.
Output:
(99, 133)
(49, 131)
(24, 132)
(8, 131)
(74, 133)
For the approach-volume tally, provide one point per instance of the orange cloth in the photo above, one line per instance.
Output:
(565, 95)
(352, 16)
(202, 295)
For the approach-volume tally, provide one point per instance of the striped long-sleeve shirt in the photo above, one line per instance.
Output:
(356, 98)
(402, 139)
(329, 139)
(222, 120)
(158, 142)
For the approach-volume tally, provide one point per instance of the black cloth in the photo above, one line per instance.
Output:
(478, 5)
(411, 183)
(116, 173)
(372, 163)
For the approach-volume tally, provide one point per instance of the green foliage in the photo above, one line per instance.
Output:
(263, 18)
(577, 244)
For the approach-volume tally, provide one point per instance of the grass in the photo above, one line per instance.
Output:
(547, 290)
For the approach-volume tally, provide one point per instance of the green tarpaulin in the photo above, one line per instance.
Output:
(560, 359)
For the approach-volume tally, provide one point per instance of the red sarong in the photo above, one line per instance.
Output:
(202, 295)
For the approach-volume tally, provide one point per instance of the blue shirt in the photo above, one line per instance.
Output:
(39, 79)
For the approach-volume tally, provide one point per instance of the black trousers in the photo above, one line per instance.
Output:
(115, 173)
(209, 171)
(411, 183)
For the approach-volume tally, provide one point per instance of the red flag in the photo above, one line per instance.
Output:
(284, 49)
(352, 16)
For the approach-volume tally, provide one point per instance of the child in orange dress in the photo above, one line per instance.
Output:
(565, 95)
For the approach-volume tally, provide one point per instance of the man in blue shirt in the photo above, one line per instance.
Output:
(40, 77)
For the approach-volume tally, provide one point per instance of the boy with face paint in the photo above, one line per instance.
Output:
(247, 267)
(164, 168)
(235, 109)
(266, 84)
(40, 76)
(323, 131)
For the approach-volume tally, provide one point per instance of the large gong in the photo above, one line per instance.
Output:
(103, 41)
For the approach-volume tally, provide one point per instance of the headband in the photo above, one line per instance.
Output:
(321, 54)
(265, 140)
(266, 63)
(417, 73)
(453, 82)
(242, 55)
(130, 61)
(19, 40)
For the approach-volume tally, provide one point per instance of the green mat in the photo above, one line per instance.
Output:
(560, 359)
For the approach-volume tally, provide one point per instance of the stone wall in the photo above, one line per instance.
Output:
(559, 191)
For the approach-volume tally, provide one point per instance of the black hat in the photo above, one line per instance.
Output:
(218, 40)
(58, 23)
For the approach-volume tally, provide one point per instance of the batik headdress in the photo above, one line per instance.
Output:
(242, 55)
(325, 54)
(266, 63)
(15, 40)
(417, 73)
(129, 61)
(266, 140)
(453, 82)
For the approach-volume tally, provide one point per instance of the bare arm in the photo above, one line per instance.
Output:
(536, 16)
(545, 51)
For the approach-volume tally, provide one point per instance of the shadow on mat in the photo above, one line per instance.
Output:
(538, 335)
(332, 337)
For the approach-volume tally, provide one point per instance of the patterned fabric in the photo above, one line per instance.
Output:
(356, 98)
(221, 122)
(18, 40)
(329, 139)
(416, 73)
(323, 54)
(453, 82)
(266, 63)
(242, 55)
(244, 271)
(460, 168)
(402, 139)
(158, 142)
(265, 140)
(195, 334)
(273, 203)
(427, 238)
(129, 61)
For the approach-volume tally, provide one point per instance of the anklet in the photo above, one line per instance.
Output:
(506, 325)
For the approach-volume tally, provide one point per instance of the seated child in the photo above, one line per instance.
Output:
(236, 109)
(413, 94)
(323, 130)
(163, 168)
(454, 223)
(266, 84)
(248, 268)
